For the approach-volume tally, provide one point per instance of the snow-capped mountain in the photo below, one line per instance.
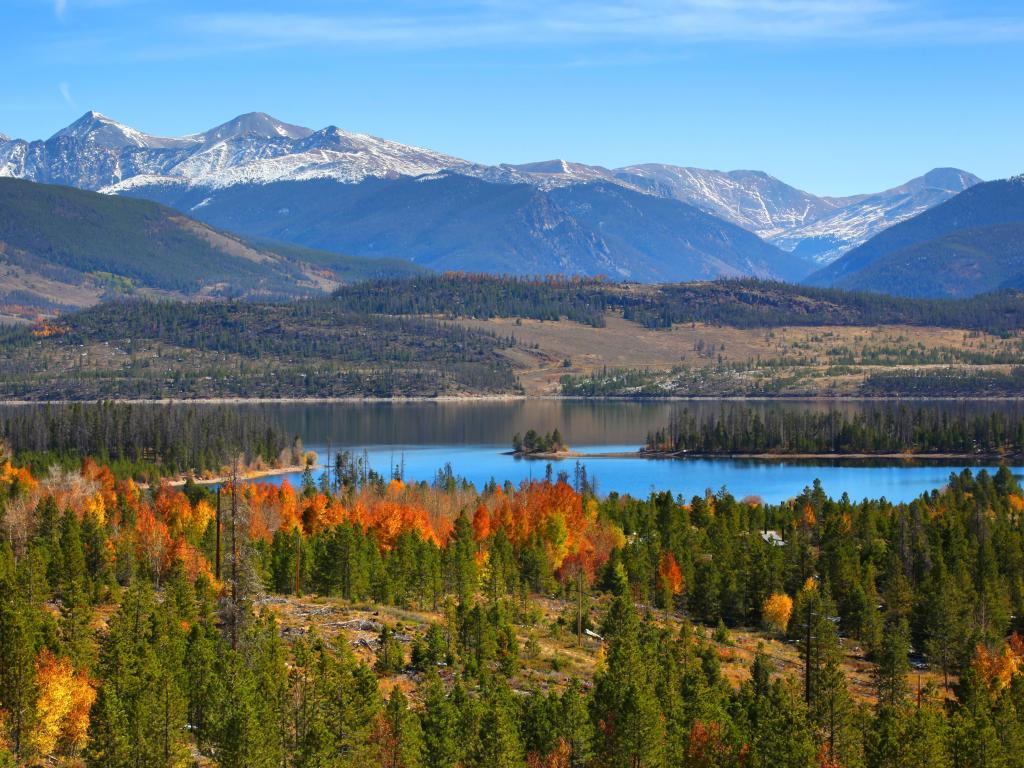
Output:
(828, 237)
(98, 153)
(967, 245)
(819, 229)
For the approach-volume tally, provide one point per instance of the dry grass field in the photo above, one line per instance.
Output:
(813, 360)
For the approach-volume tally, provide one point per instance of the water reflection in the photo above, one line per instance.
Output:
(474, 438)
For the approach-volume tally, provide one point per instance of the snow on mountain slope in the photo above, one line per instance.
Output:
(830, 236)
(98, 153)
(752, 199)
(96, 130)
(817, 228)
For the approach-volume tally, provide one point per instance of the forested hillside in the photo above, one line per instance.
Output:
(459, 334)
(449, 221)
(963, 263)
(368, 621)
(312, 348)
(62, 248)
(735, 303)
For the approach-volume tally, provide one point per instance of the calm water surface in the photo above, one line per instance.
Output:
(474, 439)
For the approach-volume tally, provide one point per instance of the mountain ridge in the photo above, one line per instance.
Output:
(99, 153)
(969, 244)
(449, 221)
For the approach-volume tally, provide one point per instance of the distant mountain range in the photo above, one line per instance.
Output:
(969, 244)
(454, 222)
(63, 248)
(357, 194)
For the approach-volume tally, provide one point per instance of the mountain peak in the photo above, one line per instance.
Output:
(943, 179)
(256, 125)
(951, 179)
(88, 123)
(96, 129)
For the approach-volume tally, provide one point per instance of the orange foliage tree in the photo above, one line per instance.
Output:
(670, 578)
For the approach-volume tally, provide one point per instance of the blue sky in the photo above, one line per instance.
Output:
(834, 96)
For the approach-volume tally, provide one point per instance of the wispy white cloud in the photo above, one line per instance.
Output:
(60, 9)
(486, 22)
(65, 92)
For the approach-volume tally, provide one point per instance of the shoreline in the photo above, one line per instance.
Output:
(242, 476)
(447, 399)
(644, 454)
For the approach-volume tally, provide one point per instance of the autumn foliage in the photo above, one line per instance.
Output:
(670, 578)
(997, 669)
(62, 709)
(776, 611)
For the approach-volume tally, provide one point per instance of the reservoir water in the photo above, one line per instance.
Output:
(474, 439)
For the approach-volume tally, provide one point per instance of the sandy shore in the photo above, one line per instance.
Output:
(243, 476)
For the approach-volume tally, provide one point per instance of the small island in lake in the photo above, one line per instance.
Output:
(536, 445)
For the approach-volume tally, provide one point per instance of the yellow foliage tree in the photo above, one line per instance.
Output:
(776, 611)
(62, 709)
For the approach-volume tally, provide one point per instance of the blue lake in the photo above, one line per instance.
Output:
(474, 438)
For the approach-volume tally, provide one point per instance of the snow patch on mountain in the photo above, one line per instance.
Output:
(98, 153)
(857, 222)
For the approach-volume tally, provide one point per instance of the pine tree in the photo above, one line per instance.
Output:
(575, 725)
(892, 666)
(624, 708)
(140, 659)
(203, 686)
(781, 735)
(497, 744)
(399, 736)
(441, 733)
(390, 656)
(946, 618)
(75, 631)
(20, 639)
(109, 732)
(461, 554)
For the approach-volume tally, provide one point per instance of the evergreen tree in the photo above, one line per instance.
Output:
(461, 555)
(497, 744)
(390, 656)
(623, 708)
(892, 667)
(109, 732)
(576, 727)
(21, 635)
(399, 736)
(441, 732)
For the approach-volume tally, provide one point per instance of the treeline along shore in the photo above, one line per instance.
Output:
(879, 430)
